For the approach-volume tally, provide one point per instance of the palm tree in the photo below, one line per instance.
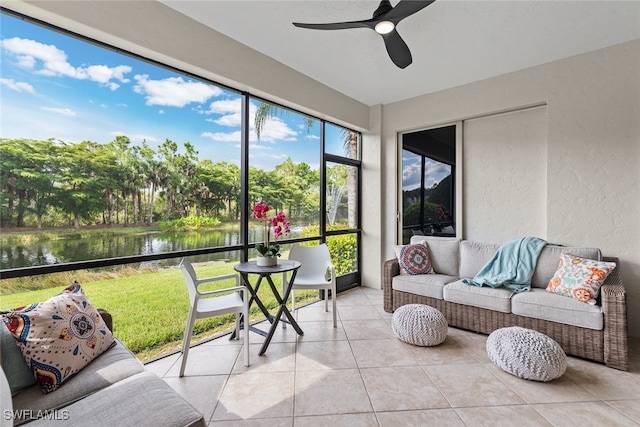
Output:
(267, 111)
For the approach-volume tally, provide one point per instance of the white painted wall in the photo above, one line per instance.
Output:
(505, 175)
(592, 152)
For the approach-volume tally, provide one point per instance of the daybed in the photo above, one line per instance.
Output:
(596, 332)
(113, 390)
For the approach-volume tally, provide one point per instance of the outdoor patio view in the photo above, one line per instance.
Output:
(106, 156)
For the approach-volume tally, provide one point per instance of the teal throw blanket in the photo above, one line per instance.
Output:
(511, 266)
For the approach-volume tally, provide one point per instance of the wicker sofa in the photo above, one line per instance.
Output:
(596, 332)
(113, 390)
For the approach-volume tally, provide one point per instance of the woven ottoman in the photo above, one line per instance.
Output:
(419, 324)
(526, 353)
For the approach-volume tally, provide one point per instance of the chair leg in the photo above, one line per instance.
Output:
(334, 297)
(245, 314)
(186, 340)
(326, 300)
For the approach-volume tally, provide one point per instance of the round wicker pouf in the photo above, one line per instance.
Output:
(419, 324)
(526, 353)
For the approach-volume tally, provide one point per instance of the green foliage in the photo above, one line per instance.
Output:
(411, 214)
(343, 248)
(150, 309)
(190, 222)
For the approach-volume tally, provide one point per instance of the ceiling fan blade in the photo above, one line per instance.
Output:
(368, 23)
(406, 8)
(398, 50)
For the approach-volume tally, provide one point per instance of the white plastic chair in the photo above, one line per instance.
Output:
(206, 304)
(316, 264)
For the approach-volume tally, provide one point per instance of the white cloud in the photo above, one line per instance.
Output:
(312, 136)
(17, 86)
(173, 91)
(62, 111)
(222, 136)
(31, 53)
(275, 129)
(160, 111)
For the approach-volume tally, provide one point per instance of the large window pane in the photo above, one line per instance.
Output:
(105, 155)
(341, 142)
(284, 159)
(341, 196)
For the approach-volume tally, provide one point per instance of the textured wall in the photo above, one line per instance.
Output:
(505, 175)
(591, 172)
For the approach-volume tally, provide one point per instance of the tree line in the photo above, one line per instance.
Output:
(53, 184)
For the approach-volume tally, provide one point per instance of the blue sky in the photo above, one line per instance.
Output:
(55, 86)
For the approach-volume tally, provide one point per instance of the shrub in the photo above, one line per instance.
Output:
(191, 222)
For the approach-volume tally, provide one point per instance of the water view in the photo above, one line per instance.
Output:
(114, 246)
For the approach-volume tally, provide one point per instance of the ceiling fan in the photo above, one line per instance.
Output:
(384, 22)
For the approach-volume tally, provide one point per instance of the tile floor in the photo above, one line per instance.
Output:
(360, 375)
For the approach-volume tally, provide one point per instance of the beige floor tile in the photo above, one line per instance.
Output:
(342, 420)
(474, 344)
(207, 360)
(382, 353)
(261, 395)
(316, 313)
(321, 331)
(471, 385)
(583, 414)
(559, 390)
(202, 392)
(355, 312)
(448, 352)
(602, 382)
(353, 297)
(331, 392)
(522, 416)
(386, 316)
(319, 355)
(401, 388)
(162, 366)
(260, 422)
(279, 357)
(433, 417)
(367, 329)
(282, 333)
(630, 408)
(340, 374)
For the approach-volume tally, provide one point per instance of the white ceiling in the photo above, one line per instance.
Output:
(452, 42)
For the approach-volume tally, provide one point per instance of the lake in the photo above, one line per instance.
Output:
(145, 243)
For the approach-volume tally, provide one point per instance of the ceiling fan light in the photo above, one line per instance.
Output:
(384, 27)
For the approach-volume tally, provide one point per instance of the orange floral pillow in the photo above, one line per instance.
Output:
(580, 278)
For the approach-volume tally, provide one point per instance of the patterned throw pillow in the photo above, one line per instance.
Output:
(59, 337)
(415, 259)
(579, 278)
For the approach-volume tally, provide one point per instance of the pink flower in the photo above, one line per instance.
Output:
(280, 228)
(260, 210)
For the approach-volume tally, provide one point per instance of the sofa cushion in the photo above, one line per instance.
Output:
(474, 256)
(17, 372)
(110, 367)
(540, 304)
(550, 257)
(579, 278)
(414, 259)
(140, 400)
(428, 285)
(497, 299)
(60, 336)
(443, 252)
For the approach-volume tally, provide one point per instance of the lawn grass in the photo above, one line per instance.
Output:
(150, 310)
